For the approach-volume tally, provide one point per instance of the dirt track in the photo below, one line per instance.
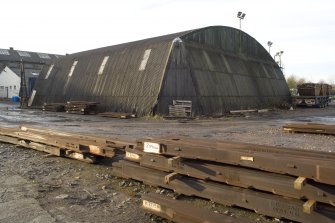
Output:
(62, 190)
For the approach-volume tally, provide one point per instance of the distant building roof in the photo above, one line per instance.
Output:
(11, 55)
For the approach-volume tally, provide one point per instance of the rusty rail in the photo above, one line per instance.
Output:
(315, 128)
(263, 203)
(89, 158)
(320, 167)
(179, 211)
(294, 187)
(280, 182)
(80, 147)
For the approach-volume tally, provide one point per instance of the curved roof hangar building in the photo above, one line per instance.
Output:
(217, 68)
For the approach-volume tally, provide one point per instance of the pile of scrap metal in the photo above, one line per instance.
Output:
(294, 184)
(81, 147)
(316, 128)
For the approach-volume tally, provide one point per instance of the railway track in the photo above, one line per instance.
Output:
(315, 128)
(284, 183)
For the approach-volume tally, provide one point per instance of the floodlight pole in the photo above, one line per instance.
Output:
(279, 54)
(241, 16)
(270, 44)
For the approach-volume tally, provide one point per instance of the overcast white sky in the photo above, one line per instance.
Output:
(304, 30)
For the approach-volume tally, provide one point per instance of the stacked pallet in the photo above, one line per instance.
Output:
(315, 128)
(180, 108)
(284, 183)
(120, 115)
(81, 107)
(55, 107)
(81, 147)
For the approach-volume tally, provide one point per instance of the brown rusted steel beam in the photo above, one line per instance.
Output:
(310, 128)
(49, 149)
(110, 142)
(64, 140)
(182, 212)
(214, 143)
(318, 168)
(238, 176)
(263, 203)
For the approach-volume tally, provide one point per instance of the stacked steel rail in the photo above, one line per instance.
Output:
(180, 211)
(286, 183)
(75, 146)
(310, 128)
(279, 182)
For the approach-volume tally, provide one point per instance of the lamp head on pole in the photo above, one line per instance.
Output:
(241, 15)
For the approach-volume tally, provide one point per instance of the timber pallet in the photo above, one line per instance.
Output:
(315, 128)
(182, 212)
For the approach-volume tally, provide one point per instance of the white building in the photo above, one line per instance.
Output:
(9, 83)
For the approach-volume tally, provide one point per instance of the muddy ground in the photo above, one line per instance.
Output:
(35, 187)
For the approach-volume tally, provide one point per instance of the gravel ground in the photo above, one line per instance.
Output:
(63, 190)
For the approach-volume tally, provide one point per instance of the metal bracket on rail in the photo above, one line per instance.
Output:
(299, 183)
(170, 177)
(174, 161)
(309, 206)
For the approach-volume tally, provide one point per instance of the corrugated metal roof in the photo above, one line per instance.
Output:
(123, 86)
(218, 68)
(11, 55)
(221, 69)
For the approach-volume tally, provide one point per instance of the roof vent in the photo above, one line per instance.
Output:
(11, 48)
